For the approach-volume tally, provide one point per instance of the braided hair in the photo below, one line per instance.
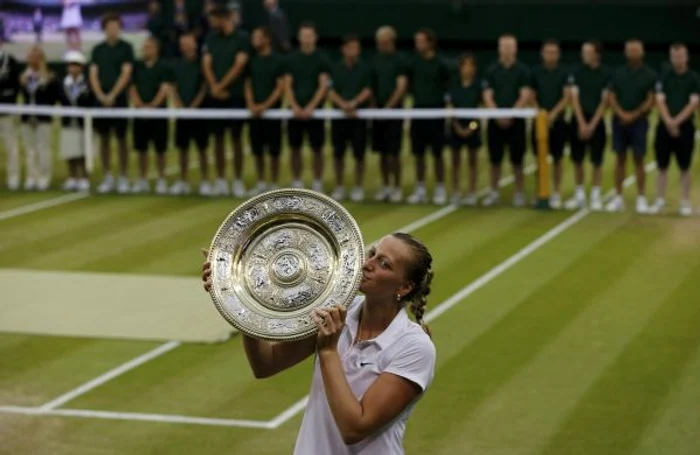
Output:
(420, 273)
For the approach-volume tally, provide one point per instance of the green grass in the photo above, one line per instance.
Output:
(589, 345)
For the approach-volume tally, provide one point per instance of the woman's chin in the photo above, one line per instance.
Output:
(363, 287)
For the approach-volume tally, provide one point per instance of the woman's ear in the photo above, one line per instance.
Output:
(406, 288)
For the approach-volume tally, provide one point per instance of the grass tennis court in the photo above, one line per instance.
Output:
(558, 333)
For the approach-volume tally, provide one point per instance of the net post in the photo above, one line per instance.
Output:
(542, 130)
(88, 139)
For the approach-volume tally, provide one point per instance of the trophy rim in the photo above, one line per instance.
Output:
(249, 203)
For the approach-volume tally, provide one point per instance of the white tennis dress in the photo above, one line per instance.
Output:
(403, 349)
(72, 17)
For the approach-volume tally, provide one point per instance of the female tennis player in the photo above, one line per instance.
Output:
(372, 363)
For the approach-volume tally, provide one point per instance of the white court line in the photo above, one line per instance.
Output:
(41, 205)
(68, 198)
(111, 374)
(480, 282)
(162, 349)
(136, 416)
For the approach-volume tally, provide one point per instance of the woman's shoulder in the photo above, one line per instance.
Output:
(413, 341)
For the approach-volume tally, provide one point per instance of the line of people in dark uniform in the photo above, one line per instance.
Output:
(241, 72)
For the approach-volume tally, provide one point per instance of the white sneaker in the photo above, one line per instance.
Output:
(555, 201)
(642, 206)
(238, 189)
(29, 184)
(596, 202)
(107, 184)
(71, 184)
(419, 196)
(357, 194)
(206, 188)
(658, 206)
(519, 200)
(470, 200)
(220, 188)
(317, 186)
(617, 204)
(297, 184)
(141, 186)
(396, 196)
(575, 203)
(259, 188)
(162, 186)
(180, 188)
(686, 209)
(440, 195)
(456, 198)
(43, 184)
(122, 185)
(383, 194)
(338, 193)
(13, 184)
(491, 199)
(83, 185)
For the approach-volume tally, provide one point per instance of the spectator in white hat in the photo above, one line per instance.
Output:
(74, 92)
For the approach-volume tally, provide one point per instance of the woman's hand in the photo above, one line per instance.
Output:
(330, 323)
(206, 272)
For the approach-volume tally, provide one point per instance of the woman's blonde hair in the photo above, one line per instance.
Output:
(420, 273)
(44, 71)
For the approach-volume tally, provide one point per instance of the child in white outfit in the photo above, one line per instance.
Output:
(75, 92)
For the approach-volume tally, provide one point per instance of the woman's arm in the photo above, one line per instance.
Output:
(269, 358)
(404, 379)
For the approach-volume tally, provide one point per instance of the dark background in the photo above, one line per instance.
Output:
(469, 25)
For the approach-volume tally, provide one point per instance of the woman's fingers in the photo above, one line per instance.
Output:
(320, 323)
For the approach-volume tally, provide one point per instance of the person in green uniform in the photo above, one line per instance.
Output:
(677, 98)
(224, 60)
(189, 91)
(308, 72)
(551, 92)
(632, 98)
(110, 75)
(465, 92)
(590, 89)
(389, 86)
(264, 87)
(429, 77)
(149, 90)
(506, 85)
(350, 90)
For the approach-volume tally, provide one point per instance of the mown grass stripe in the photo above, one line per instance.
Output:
(613, 415)
(29, 360)
(675, 426)
(84, 220)
(502, 350)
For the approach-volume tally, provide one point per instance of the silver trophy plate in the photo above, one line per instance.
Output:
(280, 255)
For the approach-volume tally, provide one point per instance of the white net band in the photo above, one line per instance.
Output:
(219, 114)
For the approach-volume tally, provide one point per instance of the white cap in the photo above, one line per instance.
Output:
(75, 57)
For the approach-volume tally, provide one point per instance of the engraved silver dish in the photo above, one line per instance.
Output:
(280, 255)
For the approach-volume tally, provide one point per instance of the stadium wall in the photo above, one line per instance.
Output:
(611, 21)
